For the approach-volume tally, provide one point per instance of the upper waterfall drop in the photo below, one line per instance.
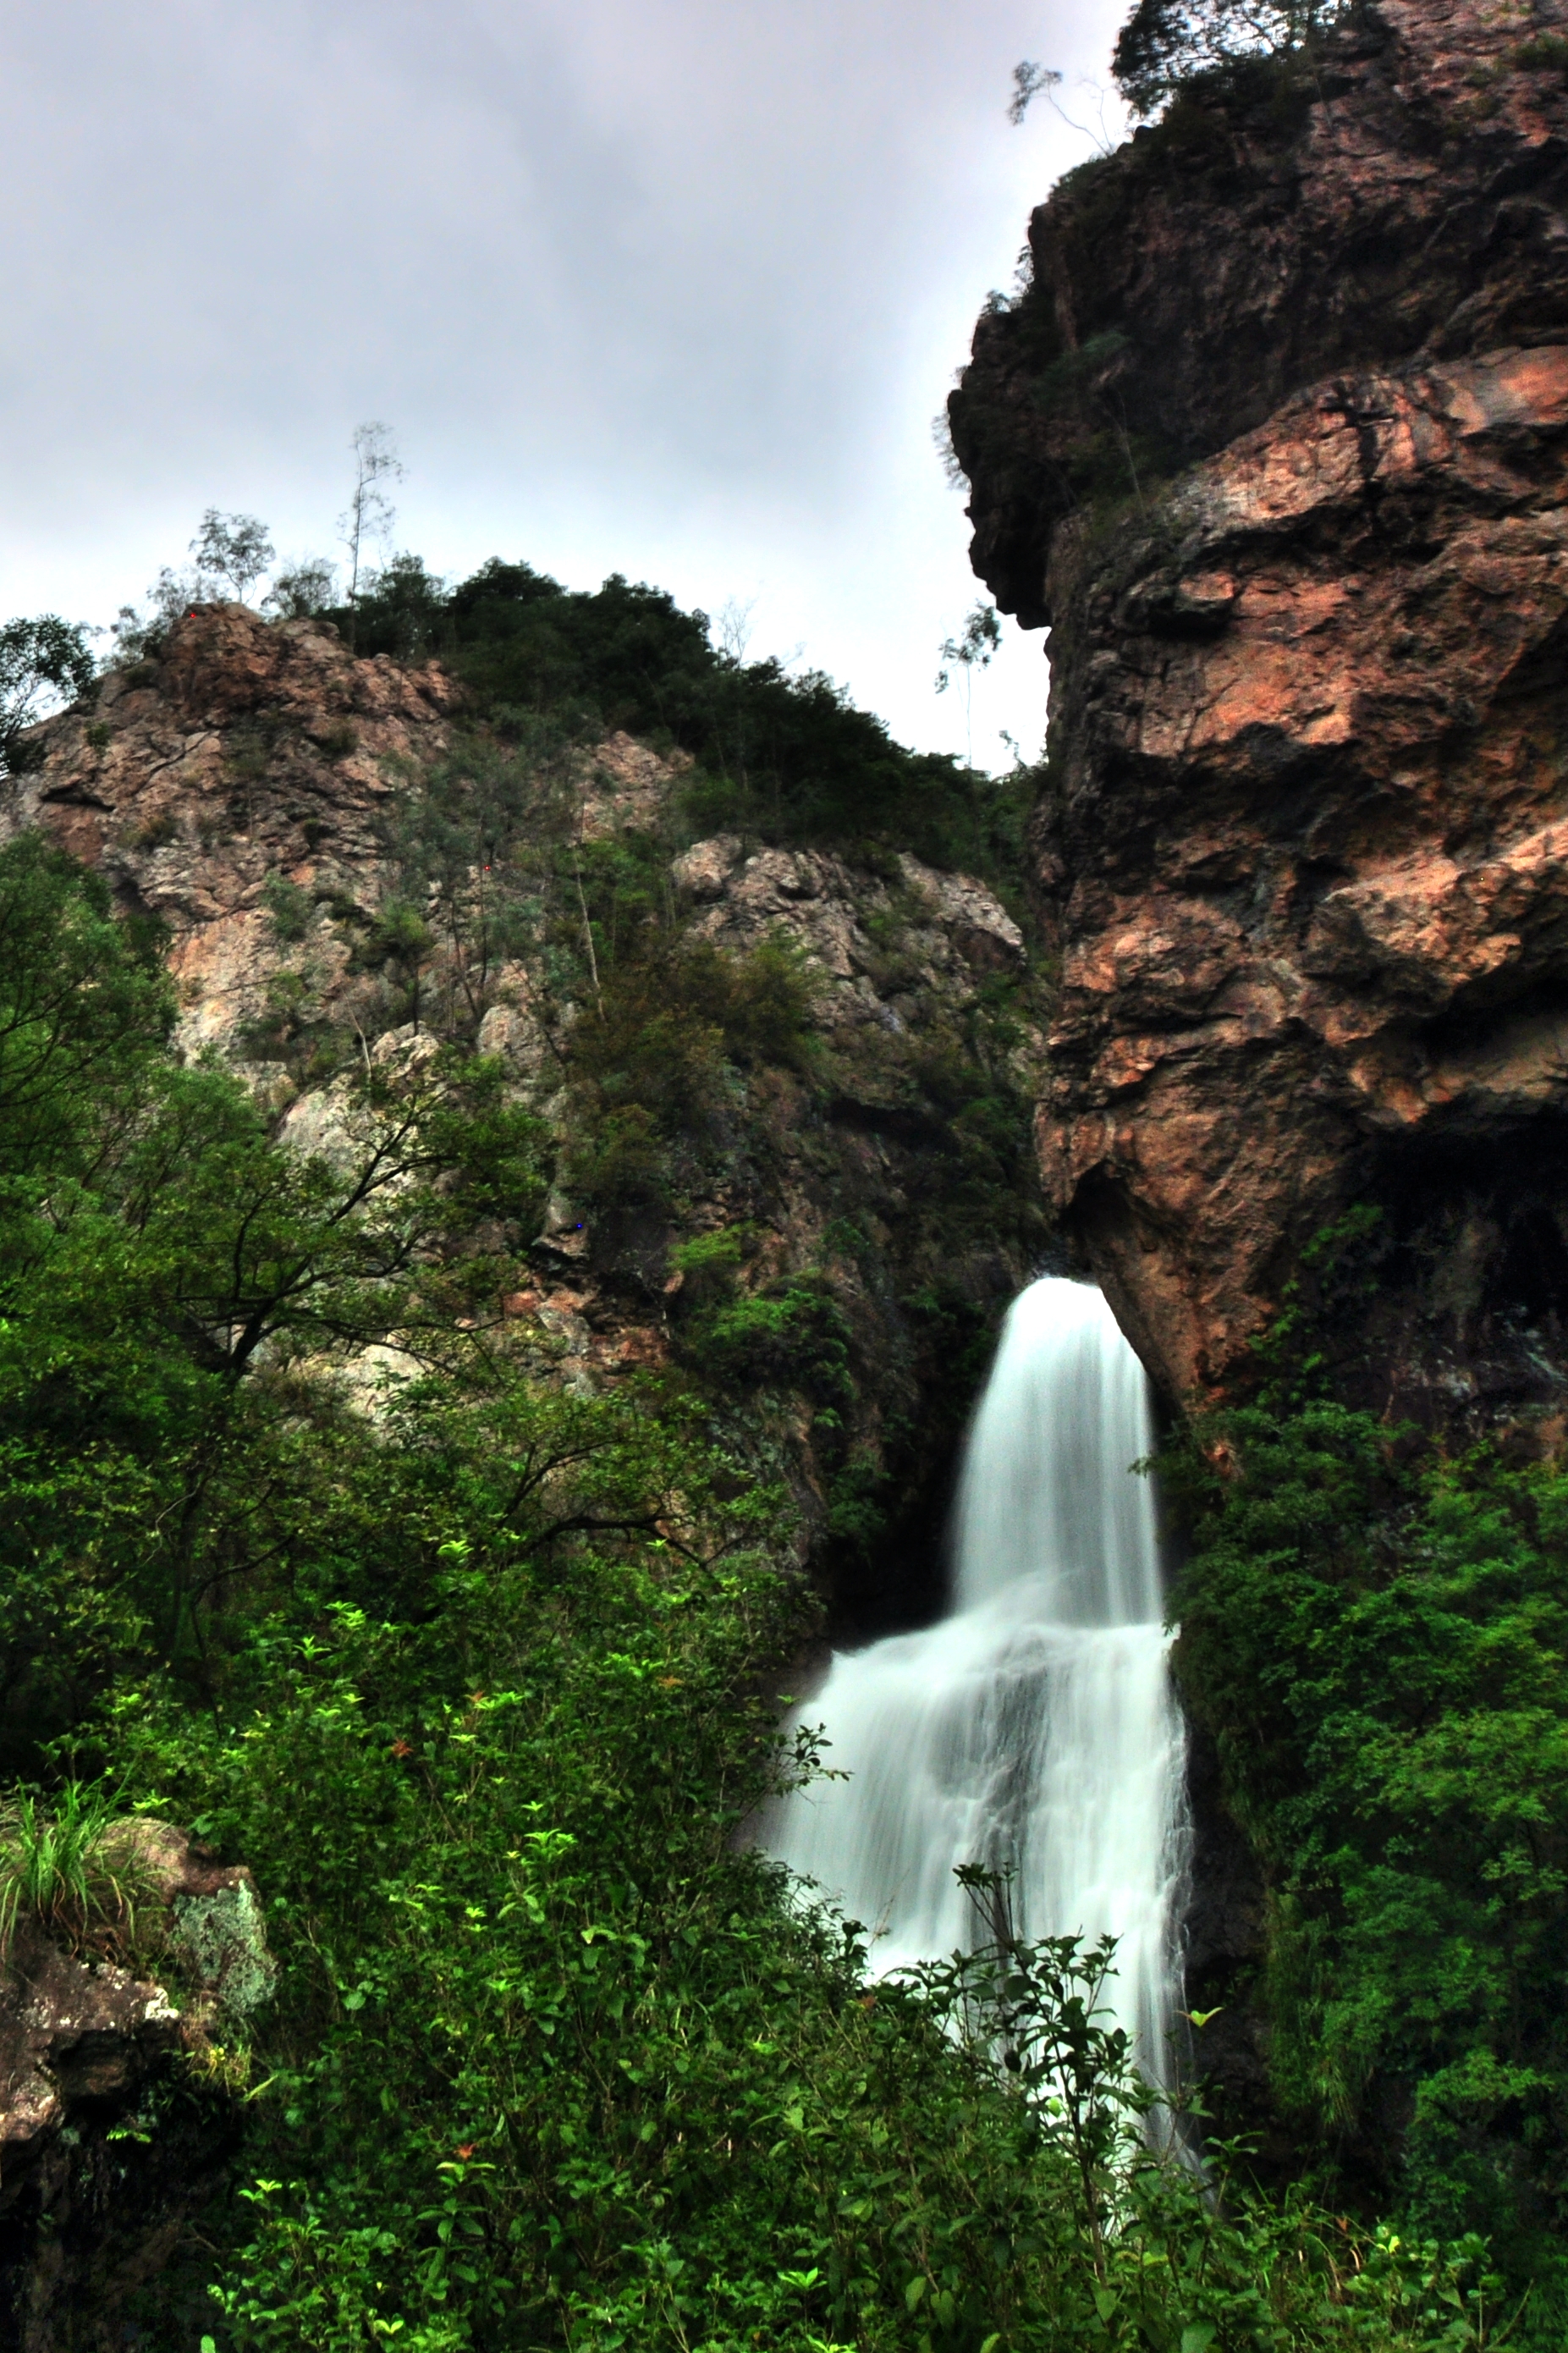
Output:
(1034, 1727)
(1045, 1490)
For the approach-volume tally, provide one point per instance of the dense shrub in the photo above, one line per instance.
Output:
(1375, 1633)
(786, 755)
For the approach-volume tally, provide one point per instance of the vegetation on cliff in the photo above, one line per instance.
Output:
(1375, 1632)
(1166, 46)
(786, 756)
(476, 1680)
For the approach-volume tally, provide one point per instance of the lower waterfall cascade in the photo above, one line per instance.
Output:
(1034, 1727)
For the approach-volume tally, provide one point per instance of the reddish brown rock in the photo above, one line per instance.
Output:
(1405, 200)
(1304, 848)
(250, 752)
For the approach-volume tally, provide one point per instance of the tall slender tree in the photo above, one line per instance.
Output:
(369, 513)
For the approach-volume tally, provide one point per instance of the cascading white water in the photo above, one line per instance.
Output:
(1034, 1726)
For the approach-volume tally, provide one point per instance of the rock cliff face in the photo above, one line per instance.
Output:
(1276, 441)
(253, 788)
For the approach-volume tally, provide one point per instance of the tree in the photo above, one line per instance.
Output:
(369, 510)
(1164, 43)
(301, 587)
(1029, 81)
(233, 550)
(85, 1003)
(401, 608)
(42, 661)
(974, 650)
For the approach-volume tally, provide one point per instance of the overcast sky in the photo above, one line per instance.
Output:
(671, 288)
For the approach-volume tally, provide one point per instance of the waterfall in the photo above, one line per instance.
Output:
(1034, 1726)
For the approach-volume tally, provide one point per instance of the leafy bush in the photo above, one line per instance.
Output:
(1166, 44)
(794, 1334)
(1378, 1643)
(289, 907)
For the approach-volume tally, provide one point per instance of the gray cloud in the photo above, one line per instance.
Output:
(671, 288)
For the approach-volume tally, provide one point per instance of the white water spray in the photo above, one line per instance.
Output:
(1034, 1727)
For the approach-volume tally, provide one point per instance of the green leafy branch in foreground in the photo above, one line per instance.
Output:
(556, 2062)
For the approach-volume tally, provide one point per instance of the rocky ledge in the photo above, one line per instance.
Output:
(1303, 851)
(119, 2085)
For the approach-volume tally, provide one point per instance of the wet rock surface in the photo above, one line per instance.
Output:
(1302, 851)
(118, 2114)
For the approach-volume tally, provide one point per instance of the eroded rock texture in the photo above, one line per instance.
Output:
(1304, 849)
(246, 750)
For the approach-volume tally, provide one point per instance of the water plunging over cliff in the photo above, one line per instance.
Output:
(1035, 1725)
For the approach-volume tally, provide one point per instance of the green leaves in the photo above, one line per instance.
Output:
(42, 661)
(85, 1007)
(477, 1673)
(1381, 1648)
(1165, 44)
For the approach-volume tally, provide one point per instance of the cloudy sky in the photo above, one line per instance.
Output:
(672, 288)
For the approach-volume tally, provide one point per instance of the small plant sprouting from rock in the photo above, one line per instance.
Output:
(63, 1870)
(290, 906)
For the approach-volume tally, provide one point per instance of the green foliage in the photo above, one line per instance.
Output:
(42, 661)
(787, 756)
(231, 552)
(792, 1334)
(653, 1061)
(1543, 53)
(401, 612)
(158, 1251)
(551, 2062)
(291, 908)
(301, 589)
(475, 1673)
(1169, 2257)
(974, 649)
(62, 1868)
(84, 1002)
(1377, 1640)
(1167, 44)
